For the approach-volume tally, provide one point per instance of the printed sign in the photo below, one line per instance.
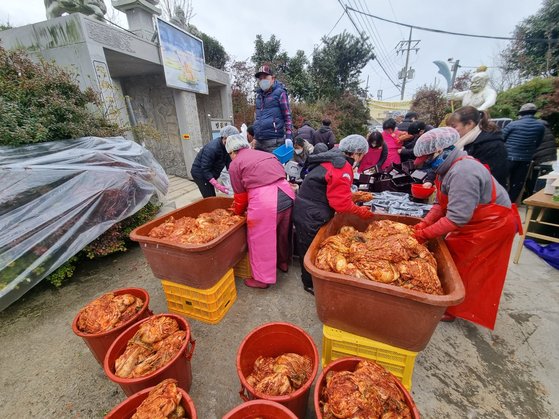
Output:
(182, 55)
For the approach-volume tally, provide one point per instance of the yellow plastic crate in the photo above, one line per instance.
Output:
(338, 344)
(242, 269)
(208, 306)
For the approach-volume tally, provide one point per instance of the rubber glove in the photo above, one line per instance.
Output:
(432, 216)
(362, 212)
(288, 143)
(240, 203)
(219, 186)
(440, 228)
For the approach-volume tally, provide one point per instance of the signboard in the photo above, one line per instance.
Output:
(217, 124)
(182, 55)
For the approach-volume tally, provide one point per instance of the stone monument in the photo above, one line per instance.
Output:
(480, 95)
(92, 8)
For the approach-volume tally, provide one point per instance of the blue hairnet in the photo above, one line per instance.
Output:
(235, 142)
(354, 143)
(228, 130)
(435, 140)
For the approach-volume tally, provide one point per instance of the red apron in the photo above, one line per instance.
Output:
(481, 251)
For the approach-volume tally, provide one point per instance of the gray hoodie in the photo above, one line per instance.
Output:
(467, 183)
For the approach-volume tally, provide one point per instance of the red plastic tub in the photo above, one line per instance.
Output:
(271, 340)
(420, 192)
(99, 343)
(260, 409)
(383, 312)
(195, 265)
(349, 364)
(128, 407)
(178, 368)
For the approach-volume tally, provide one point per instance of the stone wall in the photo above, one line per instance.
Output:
(153, 104)
(209, 104)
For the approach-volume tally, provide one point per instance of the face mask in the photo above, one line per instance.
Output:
(265, 84)
(298, 150)
(437, 161)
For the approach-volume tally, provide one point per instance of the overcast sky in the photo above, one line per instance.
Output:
(300, 24)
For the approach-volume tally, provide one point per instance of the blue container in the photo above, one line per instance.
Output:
(283, 153)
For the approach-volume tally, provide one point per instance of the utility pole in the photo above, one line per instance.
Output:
(409, 45)
(455, 67)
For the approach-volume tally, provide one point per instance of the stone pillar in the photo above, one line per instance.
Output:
(139, 14)
(189, 126)
(226, 102)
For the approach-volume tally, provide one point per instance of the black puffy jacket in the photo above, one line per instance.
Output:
(210, 161)
(547, 151)
(489, 148)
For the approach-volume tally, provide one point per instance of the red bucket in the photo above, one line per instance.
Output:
(271, 340)
(420, 192)
(128, 407)
(349, 364)
(178, 368)
(263, 409)
(99, 343)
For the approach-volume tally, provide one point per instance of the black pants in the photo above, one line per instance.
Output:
(305, 236)
(206, 188)
(517, 175)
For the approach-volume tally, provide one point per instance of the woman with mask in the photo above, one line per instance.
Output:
(392, 143)
(376, 156)
(482, 140)
(258, 181)
(474, 214)
(302, 149)
(326, 190)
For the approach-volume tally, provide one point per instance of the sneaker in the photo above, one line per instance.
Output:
(253, 283)
(310, 290)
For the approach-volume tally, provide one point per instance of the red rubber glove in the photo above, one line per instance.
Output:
(440, 228)
(432, 216)
(240, 203)
(362, 212)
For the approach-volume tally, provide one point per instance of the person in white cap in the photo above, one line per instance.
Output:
(260, 188)
(475, 216)
(209, 163)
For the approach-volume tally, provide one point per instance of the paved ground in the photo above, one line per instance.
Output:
(465, 371)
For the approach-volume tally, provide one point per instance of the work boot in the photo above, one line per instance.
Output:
(310, 290)
(253, 283)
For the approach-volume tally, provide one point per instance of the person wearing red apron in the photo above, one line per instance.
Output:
(478, 219)
(258, 181)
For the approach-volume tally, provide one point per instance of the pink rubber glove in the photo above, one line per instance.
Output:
(219, 186)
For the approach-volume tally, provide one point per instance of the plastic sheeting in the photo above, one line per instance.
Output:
(549, 253)
(399, 203)
(57, 197)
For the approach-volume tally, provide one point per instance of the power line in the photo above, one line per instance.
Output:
(357, 29)
(378, 40)
(335, 24)
(378, 52)
(421, 28)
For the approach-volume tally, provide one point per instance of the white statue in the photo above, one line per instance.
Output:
(93, 8)
(480, 95)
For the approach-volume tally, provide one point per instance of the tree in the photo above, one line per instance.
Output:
(536, 58)
(242, 87)
(270, 53)
(181, 10)
(297, 77)
(337, 65)
(462, 82)
(430, 103)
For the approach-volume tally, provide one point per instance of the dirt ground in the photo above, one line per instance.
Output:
(465, 371)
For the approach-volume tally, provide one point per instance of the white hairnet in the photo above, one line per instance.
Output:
(435, 140)
(235, 142)
(228, 130)
(354, 143)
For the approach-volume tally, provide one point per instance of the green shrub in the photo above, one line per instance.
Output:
(42, 102)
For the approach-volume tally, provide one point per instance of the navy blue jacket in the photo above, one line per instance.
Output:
(523, 137)
(210, 161)
(490, 149)
(269, 123)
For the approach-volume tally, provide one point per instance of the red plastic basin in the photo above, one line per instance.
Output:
(263, 409)
(178, 368)
(128, 407)
(349, 364)
(272, 340)
(99, 343)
